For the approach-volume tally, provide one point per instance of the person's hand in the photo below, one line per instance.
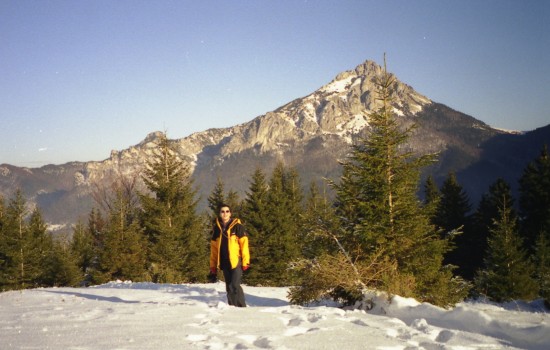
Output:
(213, 275)
(245, 267)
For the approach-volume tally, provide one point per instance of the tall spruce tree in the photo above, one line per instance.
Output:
(177, 249)
(26, 245)
(432, 196)
(534, 208)
(542, 268)
(60, 265)
(255, 217)
(386, 235)
(454, 205)
(452, 217)
(283, 240)
(217, 196)
(293, 191)
(534, 199)
(319, 217)
(3, 247)
(2, 211)
(508, 273)
(16, 244)
(97, 229)
(482, 221)
(40, 252)
(123, 255)
(82, 249)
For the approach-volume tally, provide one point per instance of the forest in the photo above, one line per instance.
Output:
(373, 234)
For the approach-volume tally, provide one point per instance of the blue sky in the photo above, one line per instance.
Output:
(81, 78)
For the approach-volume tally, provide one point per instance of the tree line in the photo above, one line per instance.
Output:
(374, 234)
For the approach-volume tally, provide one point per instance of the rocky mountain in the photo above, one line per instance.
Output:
(311, 133)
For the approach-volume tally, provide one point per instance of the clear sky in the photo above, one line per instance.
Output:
(81, 78)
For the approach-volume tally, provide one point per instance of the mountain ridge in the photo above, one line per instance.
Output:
(312, 133)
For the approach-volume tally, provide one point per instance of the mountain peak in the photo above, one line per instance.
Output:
(368, 67)
(152, 136)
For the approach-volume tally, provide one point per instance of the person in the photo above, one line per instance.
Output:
(229, 252)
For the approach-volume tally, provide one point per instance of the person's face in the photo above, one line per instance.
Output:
(225, 214)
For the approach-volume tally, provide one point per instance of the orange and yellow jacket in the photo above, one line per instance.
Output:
(237, 244)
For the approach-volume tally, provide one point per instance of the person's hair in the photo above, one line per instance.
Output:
(223, 205)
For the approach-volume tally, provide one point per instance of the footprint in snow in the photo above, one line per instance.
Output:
(206, 319)
(294, 322)
(399, 334)
(421, 325)
(263, 342)
(315, 317)
(300, 324)
(444, 336)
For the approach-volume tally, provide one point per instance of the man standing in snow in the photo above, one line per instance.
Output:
(229, 252)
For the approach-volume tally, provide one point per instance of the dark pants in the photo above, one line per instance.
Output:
(233, 278)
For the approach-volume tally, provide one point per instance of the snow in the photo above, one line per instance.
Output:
(338, 85)
(125, 315)
(398, 112)
(357, 123)
(414, 108)
(508, 131)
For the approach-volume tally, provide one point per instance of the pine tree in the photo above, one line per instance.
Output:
(432, 196)
(97, 228)
(453, 206)
(431, 191)
(217, 197)
(508, 272)
(15, 244)
(534, 208)
(119, 243)
(82, 250)
(542, 267)
(255, 218)
(4, 263)
(26, 245)
(40, 249)
(177, 249)
(61, 266)
(534, 200)
(319, 217)
(124, 250)
(386, 237)
(2, 212)
(482, 221)
(451, 217)
(282, 242)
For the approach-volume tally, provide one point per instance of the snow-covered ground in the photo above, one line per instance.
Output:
(121, 315)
